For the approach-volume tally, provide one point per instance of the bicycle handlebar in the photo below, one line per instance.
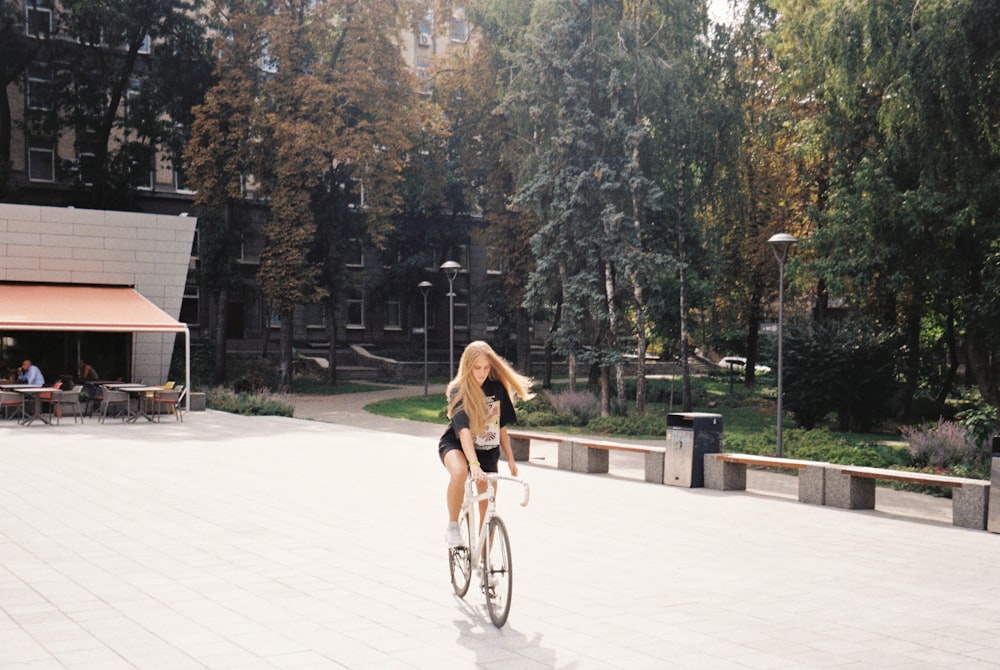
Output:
(527, 489)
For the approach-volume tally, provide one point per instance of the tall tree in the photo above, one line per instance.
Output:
(331, 119)
(909, 132)
(115, 105)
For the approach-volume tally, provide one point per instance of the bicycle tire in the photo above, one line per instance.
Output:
(460, 559)
(498, 576)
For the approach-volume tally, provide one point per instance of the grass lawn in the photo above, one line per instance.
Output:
(744, 413)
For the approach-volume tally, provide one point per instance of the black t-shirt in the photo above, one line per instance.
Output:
(499, 413)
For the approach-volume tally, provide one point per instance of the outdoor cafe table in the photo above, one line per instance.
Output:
(36, 406)
(140, 393)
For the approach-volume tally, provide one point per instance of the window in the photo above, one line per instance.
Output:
(494, 261)
(38, 17)
(86, 164)
(41, 160)
(355, 254)
(461, 316)
(190, 306)
(435, 262)
(459, 28)
(393, 316)
(268, 63)
(426, 82)
(315, 317)
(248, 186)
(180, 180)
(141, 166)
(39, 86)
(356, 311)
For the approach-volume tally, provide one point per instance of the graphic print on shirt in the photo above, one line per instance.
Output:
(490, 437)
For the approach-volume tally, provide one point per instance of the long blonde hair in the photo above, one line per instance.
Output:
(463, 389)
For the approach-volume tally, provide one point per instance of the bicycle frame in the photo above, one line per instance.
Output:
(486, 548)
(471, 508)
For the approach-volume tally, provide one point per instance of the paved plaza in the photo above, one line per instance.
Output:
(265, 542)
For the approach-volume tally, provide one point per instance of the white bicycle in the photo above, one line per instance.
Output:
(491, 549)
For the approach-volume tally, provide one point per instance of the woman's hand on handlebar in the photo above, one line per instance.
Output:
(477, 472)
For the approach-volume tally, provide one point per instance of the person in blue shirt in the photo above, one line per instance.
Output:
(30, 374)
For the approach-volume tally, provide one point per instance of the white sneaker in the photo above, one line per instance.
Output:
(453, 536)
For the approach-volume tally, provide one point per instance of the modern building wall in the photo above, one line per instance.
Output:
(148, 252)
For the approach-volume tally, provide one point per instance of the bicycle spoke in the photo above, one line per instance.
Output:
(459, 560)
(497, 572)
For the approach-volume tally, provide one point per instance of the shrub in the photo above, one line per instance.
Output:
(248, 404)
(579, 406)
(538, 418)
(821, 445)
(947, 446)
(642, 426)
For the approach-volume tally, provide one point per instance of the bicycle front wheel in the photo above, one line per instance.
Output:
(497, 573)
(460, 559)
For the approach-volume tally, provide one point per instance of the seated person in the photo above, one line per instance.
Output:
(30, 374)
(87, 372)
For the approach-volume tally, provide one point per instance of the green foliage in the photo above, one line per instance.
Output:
(980, 422)
(539, 418)
(838, 367)
(248, 404)
(649, 425)
(821, 445)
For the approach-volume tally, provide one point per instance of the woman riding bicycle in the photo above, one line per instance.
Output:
(480, 406)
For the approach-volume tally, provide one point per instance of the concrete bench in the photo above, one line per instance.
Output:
(587, 455)
(728, 472)
(853, 487)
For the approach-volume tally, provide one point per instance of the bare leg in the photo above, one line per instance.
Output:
(458, 471)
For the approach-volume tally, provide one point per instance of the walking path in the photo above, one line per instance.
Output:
(268, 542)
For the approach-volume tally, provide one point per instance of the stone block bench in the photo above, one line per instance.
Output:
(728, 472)
(853, 487)
(586, 455)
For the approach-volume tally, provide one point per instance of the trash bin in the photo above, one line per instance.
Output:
(690, 435)
(993, 511)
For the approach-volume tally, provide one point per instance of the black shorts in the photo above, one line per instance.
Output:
(489, 459)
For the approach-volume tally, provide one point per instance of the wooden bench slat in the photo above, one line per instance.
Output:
(765, 461)
(908, 477)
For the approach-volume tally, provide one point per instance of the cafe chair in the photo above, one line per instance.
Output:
(169, 401)
(11, 405)
(69, 399)
(117, 400)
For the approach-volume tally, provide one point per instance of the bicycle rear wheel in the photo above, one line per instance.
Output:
(460, 559)
(497, 572)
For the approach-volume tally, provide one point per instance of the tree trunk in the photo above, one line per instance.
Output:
(641, 347)
(611, 341)
(285, 365)
(108, 124)
(605, 380)
(221, 325)
(5, 139)
(983, 363)
(330, 319)
(952, 373)
(686, 402)
(522, 330)
(911, 359)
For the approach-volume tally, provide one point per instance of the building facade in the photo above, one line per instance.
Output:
(51, 178)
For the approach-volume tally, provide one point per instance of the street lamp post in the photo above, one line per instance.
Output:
(780, 244)
(451, 269)
(424, 287)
